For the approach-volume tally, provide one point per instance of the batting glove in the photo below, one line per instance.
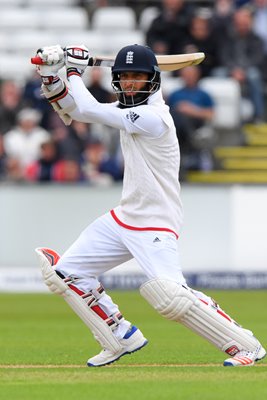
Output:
(76, 59)
(53, 60)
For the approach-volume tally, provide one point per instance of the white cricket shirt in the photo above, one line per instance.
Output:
(151, 191)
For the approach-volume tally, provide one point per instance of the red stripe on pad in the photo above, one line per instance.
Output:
(203, 301)
(97, 309)
(224, 315)
(100, 312)
(218, 311)
(76, 290)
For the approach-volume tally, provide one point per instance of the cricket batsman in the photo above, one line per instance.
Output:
(147, 222)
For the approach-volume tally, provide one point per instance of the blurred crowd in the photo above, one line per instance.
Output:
(35, 145)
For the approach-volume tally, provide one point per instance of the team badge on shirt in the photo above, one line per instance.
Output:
(132, 116)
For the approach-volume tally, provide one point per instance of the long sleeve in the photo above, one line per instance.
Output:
(88, 109)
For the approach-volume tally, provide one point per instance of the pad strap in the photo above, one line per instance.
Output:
(91, 299)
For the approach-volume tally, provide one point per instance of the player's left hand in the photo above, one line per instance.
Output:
(76, 59)
(53, 60)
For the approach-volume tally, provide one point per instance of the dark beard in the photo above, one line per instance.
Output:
(138, 98)
(131, 104)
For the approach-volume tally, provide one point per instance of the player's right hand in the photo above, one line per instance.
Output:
(76, 59)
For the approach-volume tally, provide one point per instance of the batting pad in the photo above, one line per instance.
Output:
(178, 303)
(101, 331)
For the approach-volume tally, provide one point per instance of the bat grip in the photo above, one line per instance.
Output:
(38, 61)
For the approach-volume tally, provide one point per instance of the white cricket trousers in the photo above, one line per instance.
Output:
(105, 244)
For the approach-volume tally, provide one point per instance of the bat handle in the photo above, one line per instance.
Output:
(38, 61)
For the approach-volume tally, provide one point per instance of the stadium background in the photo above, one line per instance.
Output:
(223, 243)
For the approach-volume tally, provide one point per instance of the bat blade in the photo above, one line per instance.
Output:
(166, 62)
(171, 62)
(177, 61)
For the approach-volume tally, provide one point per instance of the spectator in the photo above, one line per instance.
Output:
(97, 88)
(10, 169)
(3, 159)
(222, 14)
(203, 38)
(169, 28)
(10, 105)
(32, 97)
(43, 169)
(241, 57)
(68, 171)
(22, 143)
(241, 3)
(92, 5)
(260, 28)
(14, 172)
(98, 166)
(71, 140)
(192, 110)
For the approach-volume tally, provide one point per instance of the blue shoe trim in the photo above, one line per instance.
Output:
(227, 364)
(130, 332)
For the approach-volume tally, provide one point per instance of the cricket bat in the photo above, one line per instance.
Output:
(172, 62)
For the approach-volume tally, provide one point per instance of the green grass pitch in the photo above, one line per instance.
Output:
(44, 349)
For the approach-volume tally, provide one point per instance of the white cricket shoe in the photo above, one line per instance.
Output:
(246, 358)
(132, 341)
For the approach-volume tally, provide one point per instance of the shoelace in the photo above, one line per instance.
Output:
(245, 353)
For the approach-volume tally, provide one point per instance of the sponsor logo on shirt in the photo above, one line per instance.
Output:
(132, 116)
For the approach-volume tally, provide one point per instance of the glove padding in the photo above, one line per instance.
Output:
(53, 61)
(52, 55)
(76, 59)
